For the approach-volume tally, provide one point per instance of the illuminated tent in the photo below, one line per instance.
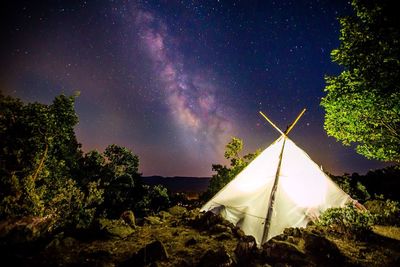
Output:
(280, 188)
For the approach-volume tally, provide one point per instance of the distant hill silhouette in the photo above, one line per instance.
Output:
(178, 184)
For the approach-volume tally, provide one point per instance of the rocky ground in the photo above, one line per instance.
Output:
(182, 237)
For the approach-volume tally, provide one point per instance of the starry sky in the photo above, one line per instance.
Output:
(174, 81)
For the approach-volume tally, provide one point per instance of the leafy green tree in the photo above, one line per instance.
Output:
(225, 174)
(117, 172)
(39, 154)
(362, 104)
(123, 187)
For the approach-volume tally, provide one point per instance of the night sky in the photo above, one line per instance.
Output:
(175, 80)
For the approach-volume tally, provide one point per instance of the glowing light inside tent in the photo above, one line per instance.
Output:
(252, 185)
(302, 182)
(306, 192)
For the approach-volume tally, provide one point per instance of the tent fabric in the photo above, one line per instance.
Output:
(303, 192)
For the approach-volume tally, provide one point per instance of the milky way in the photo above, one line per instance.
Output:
(190, 97)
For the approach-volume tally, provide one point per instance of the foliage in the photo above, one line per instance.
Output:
(352, 186)
(225, 174)
(347, 220)
(39, 154)
(375, 182)
(362, 104)
(386, 212)
(117, 170)
(154, 199)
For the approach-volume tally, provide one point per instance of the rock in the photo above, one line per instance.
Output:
(284, 252)
(192, 214)
(177, 211)
(164, 215)
(190, 242)
(219, 228)
(245, 250)
(216, 258)
(296, 232)
(129, 218)
(238, 232)
(321, 250)
(114, 228)
(152, 220)
(151, 253)
(224, 236)
(207, 220)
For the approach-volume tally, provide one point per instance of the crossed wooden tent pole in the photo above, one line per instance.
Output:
(285, 133)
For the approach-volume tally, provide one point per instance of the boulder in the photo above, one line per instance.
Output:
(205, 221)
(164, 215)
(152, 220)
(113, 228)
(129, 218)
(238, 232)
(219, 228)
(224, 236)
(245, 250)
(177, 211)
(216, 258)
(282, 252)
(321, 250)
(150, 253)
(295, 232)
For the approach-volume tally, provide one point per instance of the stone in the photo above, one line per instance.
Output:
(216, 258)
(164, 215)
(177, 210)
(296, 232)
(152, 220)
(321, 250)
(224, 236)
(246, 249)
(219, 228)
(239, 233)
(129, 218)
(114, 228)
(279, 251)
(206, 221)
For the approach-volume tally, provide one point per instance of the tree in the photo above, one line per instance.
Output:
(225, 174)
(38, 155)
(362, 104)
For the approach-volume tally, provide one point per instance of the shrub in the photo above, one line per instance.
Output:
(348, 220)
(386, 212)
(154, 199)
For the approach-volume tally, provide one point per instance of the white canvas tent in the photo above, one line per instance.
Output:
(280, 188)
